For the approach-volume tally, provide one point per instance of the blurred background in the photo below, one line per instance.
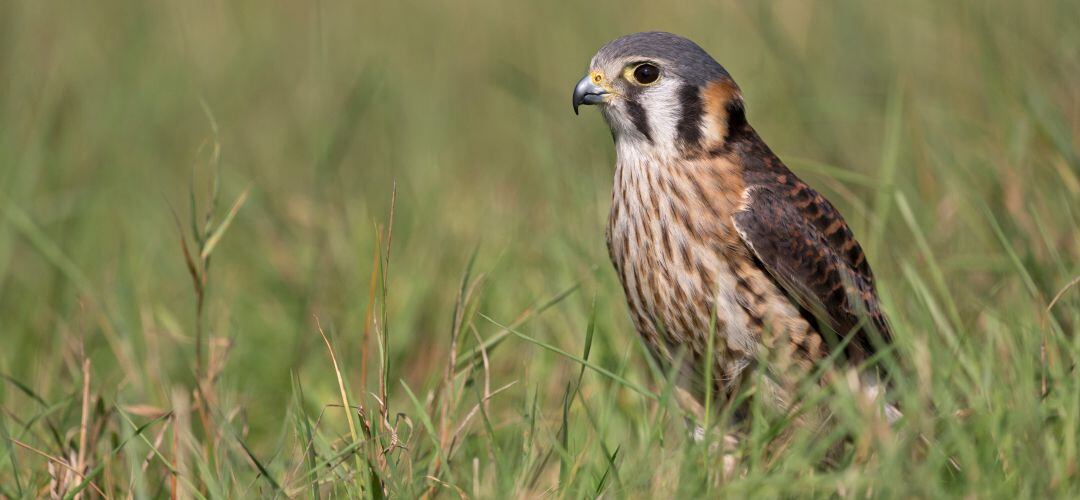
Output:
(944, 131)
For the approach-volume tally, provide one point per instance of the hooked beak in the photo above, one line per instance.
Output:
(587, 92)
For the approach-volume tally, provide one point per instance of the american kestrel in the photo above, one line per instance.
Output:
(710, 232)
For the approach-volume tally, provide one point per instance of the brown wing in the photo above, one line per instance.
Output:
(809, 250)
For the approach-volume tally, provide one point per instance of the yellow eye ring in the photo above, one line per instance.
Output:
(642, 74)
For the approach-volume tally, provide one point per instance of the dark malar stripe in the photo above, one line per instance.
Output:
(689, 126)
(638, 116)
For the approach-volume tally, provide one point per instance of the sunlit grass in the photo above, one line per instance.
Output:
(390, 207)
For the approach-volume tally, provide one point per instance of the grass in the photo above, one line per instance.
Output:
(393, 279)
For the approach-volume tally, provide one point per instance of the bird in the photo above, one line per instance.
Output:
(718, 244)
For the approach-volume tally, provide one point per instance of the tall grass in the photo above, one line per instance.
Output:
(389, 276)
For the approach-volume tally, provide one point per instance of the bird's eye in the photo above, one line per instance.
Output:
(646, 73)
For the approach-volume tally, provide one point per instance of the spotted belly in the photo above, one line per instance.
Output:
(674, 307)
(686, 272)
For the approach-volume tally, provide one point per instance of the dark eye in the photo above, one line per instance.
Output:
(646, 73)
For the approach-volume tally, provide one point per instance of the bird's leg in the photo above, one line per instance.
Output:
(873, 392)
(730, 459)
(695, 415)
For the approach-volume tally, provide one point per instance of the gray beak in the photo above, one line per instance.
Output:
(587, 92)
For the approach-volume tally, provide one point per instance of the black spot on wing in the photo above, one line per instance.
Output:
(792, 243)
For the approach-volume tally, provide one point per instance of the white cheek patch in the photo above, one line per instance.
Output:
(662, 109)
(712, 129)
(661, 104)
(618, 119)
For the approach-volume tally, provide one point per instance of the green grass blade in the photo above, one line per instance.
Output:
(219, 231)
(6, 437)
(599, 369)
(259, 465)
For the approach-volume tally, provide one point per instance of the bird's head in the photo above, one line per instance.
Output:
(661, 91)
